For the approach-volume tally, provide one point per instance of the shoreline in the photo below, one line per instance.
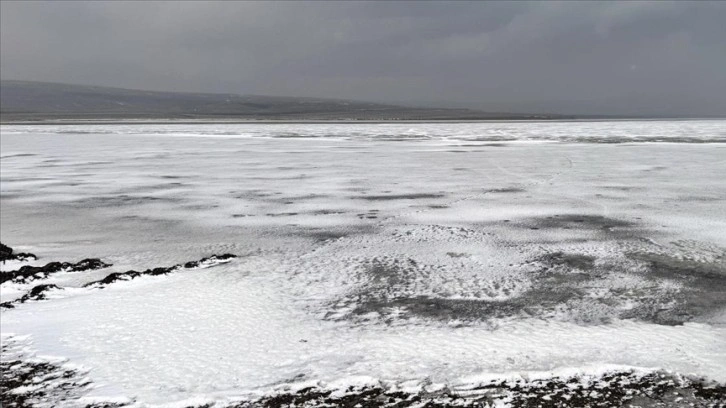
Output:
(165, 121)
(623, 386)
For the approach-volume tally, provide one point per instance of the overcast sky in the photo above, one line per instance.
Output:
(629, 57)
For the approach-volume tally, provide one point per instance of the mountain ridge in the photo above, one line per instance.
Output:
(34, 100)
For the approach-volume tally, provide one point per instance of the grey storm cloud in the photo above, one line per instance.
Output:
(567, 57)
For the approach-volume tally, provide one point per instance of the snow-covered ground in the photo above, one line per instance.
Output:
(403, 254)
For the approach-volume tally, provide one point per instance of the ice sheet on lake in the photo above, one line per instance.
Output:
(686, 131)
(424, 253)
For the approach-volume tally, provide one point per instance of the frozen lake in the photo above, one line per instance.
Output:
(408, 255)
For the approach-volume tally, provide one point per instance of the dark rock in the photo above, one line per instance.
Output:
(20, 386)
(29, 273)
(211, 259)
(390, 197)
(7, 254)
(619, 389)
(124, 276)
(37, 293)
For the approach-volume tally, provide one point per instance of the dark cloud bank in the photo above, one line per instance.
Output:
(630, 58)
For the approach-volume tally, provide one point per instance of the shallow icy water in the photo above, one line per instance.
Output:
(402, 253)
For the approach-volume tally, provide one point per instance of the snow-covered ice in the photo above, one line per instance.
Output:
(397, 254)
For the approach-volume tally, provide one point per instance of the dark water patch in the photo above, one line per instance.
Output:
(323, 236)
(623, 188)
(69, 184)
(122, 200)
(703, 292)
(568, 260)
(387, 277)
(253, 194)
(438, 207)
(348, 147)
(296, 168)
(494, 139)
(307, 197)
(582, 221)
(441, 308)
(293, 135)
(199, 207)
(629, 141)
(27, 179)
(385, 138)
(327, 212)
(505, 190)
(658, 312)
(85, 132)
(573, 287)
(242, 215)
(96, 163)
(154, 187)
(482, 145)
(160, 223)
(332, 234)
(610, 228)
(391, 272)
(654, 168)
(293, 199)
(273, 178)
(704, 199)
(380, 277)
(283, 214)
(10, 156)
(152, 157)
(609, 197)
(370, 215)
(390, 197)
(702, 275)
(570, 281)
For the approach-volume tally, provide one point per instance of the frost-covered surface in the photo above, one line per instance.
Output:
(32, 380)
(405, 255)
(692, 131)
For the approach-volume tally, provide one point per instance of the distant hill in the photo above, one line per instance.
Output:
(26, 100)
